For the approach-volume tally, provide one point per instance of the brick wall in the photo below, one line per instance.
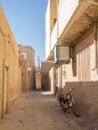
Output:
(86, 96)
(45, 67)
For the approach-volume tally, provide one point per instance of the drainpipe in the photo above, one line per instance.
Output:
(61, 79)
(56, 65)
(96, 43)
(57, 21)
(2, 111)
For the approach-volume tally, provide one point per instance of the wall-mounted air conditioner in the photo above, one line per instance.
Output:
(62, 53)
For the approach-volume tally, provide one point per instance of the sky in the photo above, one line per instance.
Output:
(27, 21)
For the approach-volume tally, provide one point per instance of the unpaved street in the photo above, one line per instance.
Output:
(34, 111)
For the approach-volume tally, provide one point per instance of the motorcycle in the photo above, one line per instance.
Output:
(66, 101)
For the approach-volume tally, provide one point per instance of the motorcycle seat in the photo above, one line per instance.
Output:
(60, 95)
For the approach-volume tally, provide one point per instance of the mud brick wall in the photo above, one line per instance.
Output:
(10, 69)
(86, 96)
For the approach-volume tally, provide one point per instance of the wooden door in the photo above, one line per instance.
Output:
(83, 64)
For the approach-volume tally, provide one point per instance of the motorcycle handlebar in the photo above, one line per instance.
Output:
(71, 90)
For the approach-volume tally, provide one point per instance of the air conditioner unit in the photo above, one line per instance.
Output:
(62, 54)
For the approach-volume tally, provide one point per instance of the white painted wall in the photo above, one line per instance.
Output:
(47, 29)
(65, 11)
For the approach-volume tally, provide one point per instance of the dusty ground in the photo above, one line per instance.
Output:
(34, 111)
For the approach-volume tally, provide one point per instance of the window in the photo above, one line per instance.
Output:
(24, 55)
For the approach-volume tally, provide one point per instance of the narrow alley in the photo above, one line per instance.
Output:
(40, 111)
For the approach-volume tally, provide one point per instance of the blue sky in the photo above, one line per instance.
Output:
(27, 21)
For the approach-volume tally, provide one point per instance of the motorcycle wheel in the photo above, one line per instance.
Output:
(62, 106)
(75, 109)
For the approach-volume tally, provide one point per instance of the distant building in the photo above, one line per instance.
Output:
(10, 68)
(38, 78)
(45, 77)
(28, 67)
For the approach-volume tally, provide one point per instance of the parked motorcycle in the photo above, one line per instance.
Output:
(66, 101)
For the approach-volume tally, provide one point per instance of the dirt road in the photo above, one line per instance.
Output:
(35, 111)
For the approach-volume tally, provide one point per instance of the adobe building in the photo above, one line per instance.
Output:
(28, 67)
(38, 85)
(72, 43)
(10, 68)
(45, 77)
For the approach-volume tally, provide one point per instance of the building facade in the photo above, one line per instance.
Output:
(72, 30)
(38, 85)
(45, 78)
(10, 69)
(28, 67)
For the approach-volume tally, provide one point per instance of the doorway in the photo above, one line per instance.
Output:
(5, 90)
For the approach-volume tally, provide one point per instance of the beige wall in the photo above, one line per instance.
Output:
(52, 79)
(24, 75)
(85, 58)
(45, 67)
(60, 74)
(28, 67)
(10, 69)
(38, 80)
